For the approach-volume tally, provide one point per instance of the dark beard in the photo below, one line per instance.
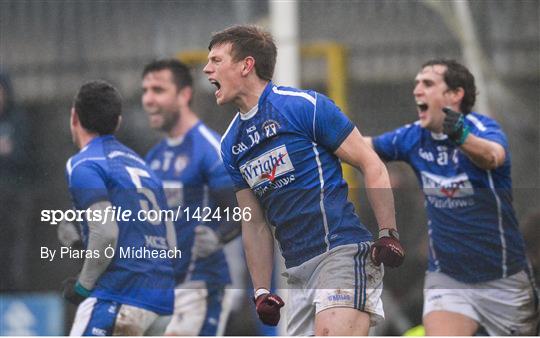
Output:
(169, 121)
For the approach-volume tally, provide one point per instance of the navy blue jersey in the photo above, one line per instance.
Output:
(106, 170)
(191, 167)
(283, 150)
(473, 230)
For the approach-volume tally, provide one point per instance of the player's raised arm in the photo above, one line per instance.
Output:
(355, 151)
(369, 141)
(484, 153)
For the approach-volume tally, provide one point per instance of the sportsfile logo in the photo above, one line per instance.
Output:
(450, 187)
(267, 167)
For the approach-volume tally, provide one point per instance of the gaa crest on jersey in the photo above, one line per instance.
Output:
(270, 128)
(267, 167)
(180, 164)
(450, 187)
(168, 159)
(155, 165)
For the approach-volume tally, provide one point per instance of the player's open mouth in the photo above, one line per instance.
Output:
(422, 106)
(217, 84)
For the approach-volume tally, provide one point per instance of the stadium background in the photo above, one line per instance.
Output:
(49, 48)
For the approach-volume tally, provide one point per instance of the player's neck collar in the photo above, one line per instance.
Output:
(250, 113)
(175, 141)
(178, 140)
(438, 136)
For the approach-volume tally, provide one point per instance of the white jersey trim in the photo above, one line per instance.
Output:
(210, 138)
(175, 141)
(291, 93)
(439, 136)
(68, 166)
(321, 201)
(478, 124)
(500, 223)
(229, 127)
(71, 168)
(117, 153)
(432, 250)
(314, 117)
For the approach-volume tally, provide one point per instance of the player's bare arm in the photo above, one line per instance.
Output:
(259, 248)
(258, 241)
(483, 153)
(369, 141)
(358, 153)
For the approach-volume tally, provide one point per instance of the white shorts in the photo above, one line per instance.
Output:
(97, 317)
(341, 277)
(199, 310)
(506, 306)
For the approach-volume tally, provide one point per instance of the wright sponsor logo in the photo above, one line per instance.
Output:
(267, 167)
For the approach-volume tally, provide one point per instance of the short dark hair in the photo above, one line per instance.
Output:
(249, 41)
(455, 76)
(99, 106)
(180, 71)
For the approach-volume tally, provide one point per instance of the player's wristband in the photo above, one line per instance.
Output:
(464, 135)
(388, 232)
(81, 290)
(260, 292)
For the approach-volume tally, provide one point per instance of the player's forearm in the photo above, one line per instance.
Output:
(358, 152)
(369, 141)
(259, 248)
(484, 154)
(380, 194)
(101, 235)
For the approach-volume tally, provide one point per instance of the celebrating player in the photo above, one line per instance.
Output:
(120, 296)
(283, 152)
(477, 273)
(189, 164)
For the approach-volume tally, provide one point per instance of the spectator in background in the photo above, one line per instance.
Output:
(15, 176)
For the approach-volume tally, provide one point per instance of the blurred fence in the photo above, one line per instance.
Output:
(50, 45)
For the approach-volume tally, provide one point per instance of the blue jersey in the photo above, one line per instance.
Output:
(283, 150)
(473, 231)
(191, 167)
(106, 170)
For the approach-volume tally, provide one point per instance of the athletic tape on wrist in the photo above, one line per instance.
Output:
(260, 292)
